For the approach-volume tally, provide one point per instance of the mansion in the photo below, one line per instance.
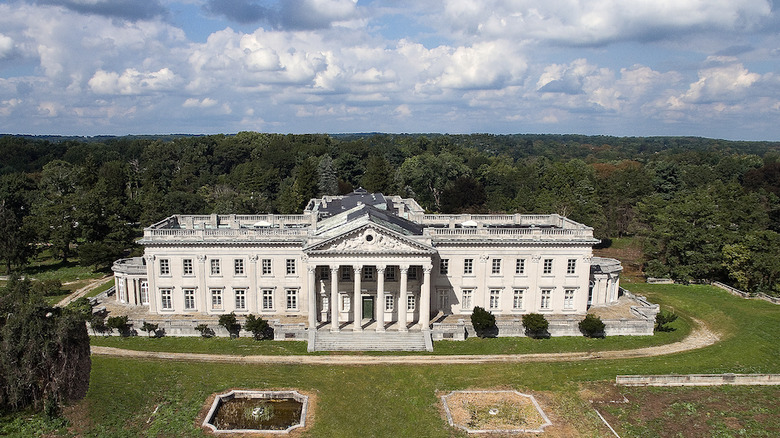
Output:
(367, 262)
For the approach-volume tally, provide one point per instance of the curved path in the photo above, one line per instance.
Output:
(700, 337)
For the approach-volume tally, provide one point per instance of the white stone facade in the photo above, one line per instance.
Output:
(400, 266)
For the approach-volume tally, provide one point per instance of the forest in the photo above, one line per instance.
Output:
(703, 209)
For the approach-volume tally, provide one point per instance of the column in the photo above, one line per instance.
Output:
(312, 294)
(380, 298)
(136, 300)
(357, 303)
(151, 278)
(402, 297)
(425, 298)
(334, 298)
(203, 293)
(252, 304)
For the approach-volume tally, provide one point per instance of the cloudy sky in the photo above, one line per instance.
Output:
(616, 67)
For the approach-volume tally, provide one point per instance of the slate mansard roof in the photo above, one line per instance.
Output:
(331, 216)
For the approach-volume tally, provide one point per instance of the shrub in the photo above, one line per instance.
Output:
(150, 329)
(259, 327)
(484, 322)
(204, 330)
(98, 323)
(230, 323)
(663, 319)
(120, 324)
(536, 325)
(592, 327)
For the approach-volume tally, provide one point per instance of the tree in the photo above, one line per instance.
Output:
(663, 319)
(259, 327)
(484, 322)
(753, 263)
(150, 329)
(44, 352)
(230, 322)
(328, 183)
(592, 326)
(379, 175)
(17, 235)
(536, 325)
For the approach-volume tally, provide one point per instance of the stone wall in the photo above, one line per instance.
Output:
(739, 293)
(699, 380)
(186, 328)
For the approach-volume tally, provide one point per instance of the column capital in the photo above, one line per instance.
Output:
(403, 268)
(253, 258)
(311, 268)
(334, 268)
(427, 268)
(201, 257)
(535, 258)
(149, 258)
(357, 268)
(380, 268)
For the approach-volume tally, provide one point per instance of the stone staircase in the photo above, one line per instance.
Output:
(372, 341)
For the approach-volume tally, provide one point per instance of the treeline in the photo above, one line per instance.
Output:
(706, 209)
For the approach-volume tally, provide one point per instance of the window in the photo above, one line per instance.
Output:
(215, 268)
(517, 299)
(368, 273)
(324, 273)
(412, 273)
(240, 299)
(144, 292)
(568, 299)
(186, 266)
(165, 267)
(345, 303)
(466, 299)
(216, 299)
(165, 299)
(547, 269)
(390, 273)
(495, 298)
(571, 266)
(292, 299)
(268, 299)
(266, 267)
(496, 266)
(410, 303)
(238, 266)
(290, 264)
(345, 273)
(444, 266)
(389, 303)
(189, 299)
(546, 293)
(468, 266)
(520, 267)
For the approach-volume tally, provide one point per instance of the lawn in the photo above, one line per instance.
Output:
(382, 400)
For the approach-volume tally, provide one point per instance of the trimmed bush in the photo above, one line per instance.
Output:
(536, 326)
(230, 322)
(204, 330)
(150, 329)
(259, 327)
(484, 323)
(592, 327)
(120, 324)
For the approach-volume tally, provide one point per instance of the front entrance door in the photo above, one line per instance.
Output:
(368, 307)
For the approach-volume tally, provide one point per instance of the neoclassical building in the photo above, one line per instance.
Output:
(378, 260)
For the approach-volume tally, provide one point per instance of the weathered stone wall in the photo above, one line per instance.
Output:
(699, 380)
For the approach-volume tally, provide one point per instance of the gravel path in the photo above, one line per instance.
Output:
(83, 291)
(700, 337)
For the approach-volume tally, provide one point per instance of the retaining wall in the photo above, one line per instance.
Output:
(699, 380)
(743, 294)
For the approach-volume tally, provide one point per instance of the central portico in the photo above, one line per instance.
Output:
(365, 269)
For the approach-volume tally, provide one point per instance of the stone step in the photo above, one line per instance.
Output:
(370, 341)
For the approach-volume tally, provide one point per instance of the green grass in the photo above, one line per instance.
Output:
(102, 288)
(240, 346)
(46, 268)
(401, 400)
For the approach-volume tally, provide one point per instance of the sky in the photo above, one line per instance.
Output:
(706, 68)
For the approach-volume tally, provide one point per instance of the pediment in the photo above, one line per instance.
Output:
(370, 240)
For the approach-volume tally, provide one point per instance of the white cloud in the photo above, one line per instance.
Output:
(6, 46)
(131, 81)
